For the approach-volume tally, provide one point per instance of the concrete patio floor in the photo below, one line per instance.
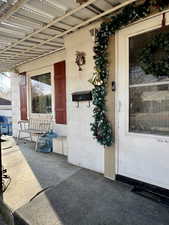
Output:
(46, 190)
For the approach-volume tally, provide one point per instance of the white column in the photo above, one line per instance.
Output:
(15, 96)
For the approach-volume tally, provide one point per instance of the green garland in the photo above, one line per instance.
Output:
(161, 67)
(101, 127)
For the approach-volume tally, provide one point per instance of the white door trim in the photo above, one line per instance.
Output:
(124, 34)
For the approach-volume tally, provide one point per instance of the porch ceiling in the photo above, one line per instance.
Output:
(30, 29)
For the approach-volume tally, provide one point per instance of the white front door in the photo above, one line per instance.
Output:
(143, 108)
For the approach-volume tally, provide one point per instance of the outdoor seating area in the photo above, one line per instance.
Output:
(34, 128)
(40, 132)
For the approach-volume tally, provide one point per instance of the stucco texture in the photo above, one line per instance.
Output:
(83, 149)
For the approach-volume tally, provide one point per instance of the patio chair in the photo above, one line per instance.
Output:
(34, 127)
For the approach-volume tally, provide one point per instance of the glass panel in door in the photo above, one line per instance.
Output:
(148, 94)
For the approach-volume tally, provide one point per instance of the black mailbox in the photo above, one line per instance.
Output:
(82, 96)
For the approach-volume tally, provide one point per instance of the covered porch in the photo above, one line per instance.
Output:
(40, 41)
(47, 190)
(78, 63)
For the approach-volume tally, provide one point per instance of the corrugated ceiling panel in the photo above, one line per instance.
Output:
(103, 5)
(28, 26)
(46, 7)
(22, 22)
(72, 21)
(34, 15)
(85, 14)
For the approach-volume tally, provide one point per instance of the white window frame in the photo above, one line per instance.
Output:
(36, 73)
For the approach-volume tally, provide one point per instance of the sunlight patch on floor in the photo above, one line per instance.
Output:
(24, 184)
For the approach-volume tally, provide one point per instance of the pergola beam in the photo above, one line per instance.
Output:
(49, 24)
(78, 26)
(45, 54)
(32, 44)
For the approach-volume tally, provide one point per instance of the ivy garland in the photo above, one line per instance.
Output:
(150, 66)
(101, 127)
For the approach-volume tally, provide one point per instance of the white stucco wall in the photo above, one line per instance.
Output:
(83, 149)
(15, 102)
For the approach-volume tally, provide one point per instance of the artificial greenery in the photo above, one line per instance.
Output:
(147, 61)
(101, 127)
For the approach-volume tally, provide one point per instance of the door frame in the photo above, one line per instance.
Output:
(149, 24)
